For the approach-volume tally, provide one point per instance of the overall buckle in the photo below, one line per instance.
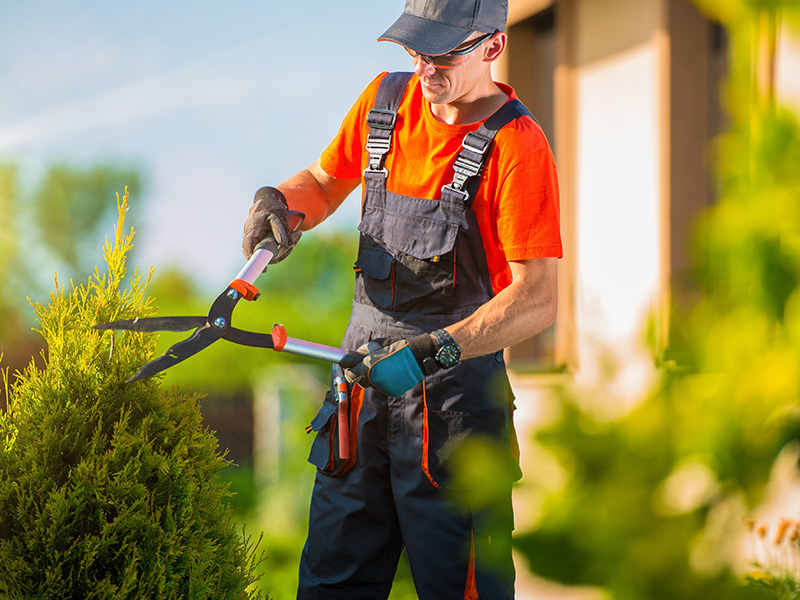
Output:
(476, 143)
(377, 145)
(465, 166)
(377, 148)
(380, 118)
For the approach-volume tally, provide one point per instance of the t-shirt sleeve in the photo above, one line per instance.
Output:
(528, 222)
(343, 157)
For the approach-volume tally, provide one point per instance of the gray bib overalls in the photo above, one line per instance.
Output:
(421, 266)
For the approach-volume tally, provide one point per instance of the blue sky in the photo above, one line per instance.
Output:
(211, 100)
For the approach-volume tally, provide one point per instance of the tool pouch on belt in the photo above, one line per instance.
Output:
(325, 447)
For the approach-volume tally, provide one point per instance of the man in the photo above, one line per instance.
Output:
(457, 261)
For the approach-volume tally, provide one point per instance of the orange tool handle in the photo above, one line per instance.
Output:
(344, 417)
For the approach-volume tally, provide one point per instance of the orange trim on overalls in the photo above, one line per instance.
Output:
(356, 401)
(425, 437)
(471, 591)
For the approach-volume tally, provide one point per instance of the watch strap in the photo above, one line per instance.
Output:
(424, 350)
(443, 338)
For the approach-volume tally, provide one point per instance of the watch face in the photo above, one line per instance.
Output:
(448, 355)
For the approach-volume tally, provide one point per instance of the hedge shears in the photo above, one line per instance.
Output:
(217, 325)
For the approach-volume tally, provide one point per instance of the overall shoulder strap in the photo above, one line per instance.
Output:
(391, 90)
(382, 118)
(475, 149)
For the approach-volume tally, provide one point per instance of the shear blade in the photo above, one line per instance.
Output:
(155, 324)
(200, 339)
(249, 338)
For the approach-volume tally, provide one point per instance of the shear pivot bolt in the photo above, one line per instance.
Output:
(219, 322)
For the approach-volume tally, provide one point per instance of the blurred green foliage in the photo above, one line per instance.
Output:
(8, 237)
(74, 207)
(652, 504)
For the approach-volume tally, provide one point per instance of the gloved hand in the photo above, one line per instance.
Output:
(394, 368)
(269, 216)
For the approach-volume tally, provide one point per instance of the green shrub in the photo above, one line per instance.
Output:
(107, 489)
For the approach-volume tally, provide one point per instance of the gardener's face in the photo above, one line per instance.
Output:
(451, 78)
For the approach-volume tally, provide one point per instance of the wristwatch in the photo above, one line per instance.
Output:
(449, 353)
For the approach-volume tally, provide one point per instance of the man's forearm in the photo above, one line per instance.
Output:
(315, 193)
(523, 309)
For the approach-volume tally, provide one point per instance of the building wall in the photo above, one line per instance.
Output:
(617, 184)
(628, 93)
(593, 79)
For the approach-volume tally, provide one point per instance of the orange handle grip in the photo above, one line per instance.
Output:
(344, 431)
(344, 417)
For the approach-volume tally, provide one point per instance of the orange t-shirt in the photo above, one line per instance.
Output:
(517, 204)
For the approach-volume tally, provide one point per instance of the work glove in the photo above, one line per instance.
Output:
(269, 215)
(394, 368)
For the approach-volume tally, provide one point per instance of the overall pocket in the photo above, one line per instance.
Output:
(408, 260)
(374, 267)
(459, 440)
(325, 448)
(467, 425)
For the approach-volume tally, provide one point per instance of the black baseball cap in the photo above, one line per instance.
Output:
(438, 26)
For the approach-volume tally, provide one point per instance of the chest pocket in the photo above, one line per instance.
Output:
(407, 256)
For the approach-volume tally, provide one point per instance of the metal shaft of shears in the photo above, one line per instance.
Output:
(256, 265)
(283, 343)
(313, 350)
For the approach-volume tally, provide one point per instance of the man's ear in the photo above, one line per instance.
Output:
(495, 46)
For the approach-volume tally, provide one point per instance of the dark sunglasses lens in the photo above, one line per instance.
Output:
(447, 60)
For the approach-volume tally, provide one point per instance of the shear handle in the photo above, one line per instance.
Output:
(342, 394)
(264, 252)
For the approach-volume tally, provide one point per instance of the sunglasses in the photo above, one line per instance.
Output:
(452, 58)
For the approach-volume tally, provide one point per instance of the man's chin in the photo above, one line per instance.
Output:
(435, 94)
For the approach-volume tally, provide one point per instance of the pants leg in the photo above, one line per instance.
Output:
(451, 547)
(354, 541)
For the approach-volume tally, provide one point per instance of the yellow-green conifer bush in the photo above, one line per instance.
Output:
(107, 489)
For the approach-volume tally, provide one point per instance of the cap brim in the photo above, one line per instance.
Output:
(424, 36)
